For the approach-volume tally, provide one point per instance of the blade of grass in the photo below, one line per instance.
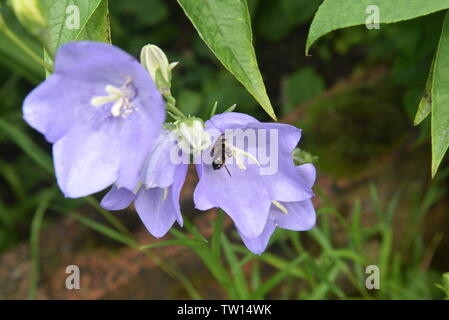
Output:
(238, 275)
(130, 242)
(267, 286)
(36, 226)
(215, 242)
(29, 147)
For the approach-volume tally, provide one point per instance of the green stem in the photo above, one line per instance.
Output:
(171, 105)
(12, 36)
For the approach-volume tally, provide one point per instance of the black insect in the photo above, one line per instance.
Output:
(219, 152)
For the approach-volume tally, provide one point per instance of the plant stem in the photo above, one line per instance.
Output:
(13, 37)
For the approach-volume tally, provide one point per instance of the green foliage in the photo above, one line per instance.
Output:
(64, 26)
(338, 14)
(93, 21)
(302, 86)
(445, 285)
(293, 13)
(225, 26)
(347, 13)
(11, 52)
(440, 99)
(327, 262)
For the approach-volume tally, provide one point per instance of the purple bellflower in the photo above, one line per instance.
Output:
(102, 112)
(156, 197)
(294, 215)
(250, 198)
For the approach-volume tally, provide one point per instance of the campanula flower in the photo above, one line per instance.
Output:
(156, 197)
(295, 215)
(256, 173)
(102, 112)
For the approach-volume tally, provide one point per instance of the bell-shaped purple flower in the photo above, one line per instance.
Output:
(295, 215)
(156, 198)
(246, 191)
(101, 110)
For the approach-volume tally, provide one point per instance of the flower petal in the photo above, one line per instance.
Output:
(82, 70)
(179, 178)
(89, 161)
(158, 208)
(240, 195)
(307, 173)
(259, 244)
(159, 170)
(226, 120)
(117, 199)
(300, 215)
(53, 117)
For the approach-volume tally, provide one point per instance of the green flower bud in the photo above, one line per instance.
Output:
(156, 62)
(30, 15)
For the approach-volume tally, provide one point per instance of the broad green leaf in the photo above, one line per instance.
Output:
(225, 27)
(440, 99)
(64, 25)
(338, 14)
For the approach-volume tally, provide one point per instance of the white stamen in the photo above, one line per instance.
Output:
(237, 151)
(280, 206)
(139, 184)
(164, 194)
(116, 109)
(119, 96)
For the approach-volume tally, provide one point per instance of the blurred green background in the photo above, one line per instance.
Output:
(355, 98)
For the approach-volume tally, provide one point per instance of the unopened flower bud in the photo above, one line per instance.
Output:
(156, 62)
(30, 15)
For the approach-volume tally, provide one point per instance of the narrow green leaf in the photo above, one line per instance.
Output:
(267, 286)
(176, 242)
(440, 99)
(36, 226)
(225, 26)
(214, 109)
(425, 105)
(105, 230)
(28, 146)
(215, 242)
(238, 275)
(338, 14)
(194, 231)
(231, 108)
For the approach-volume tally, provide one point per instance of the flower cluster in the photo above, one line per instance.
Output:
(104, 112)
